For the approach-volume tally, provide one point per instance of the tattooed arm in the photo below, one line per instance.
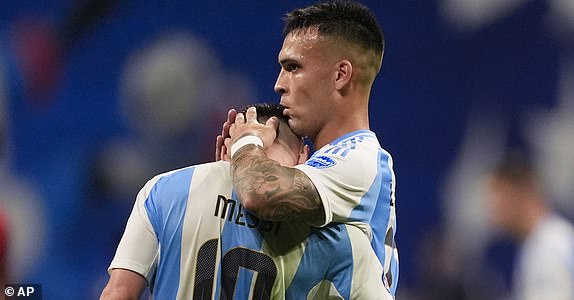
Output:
(273, 192)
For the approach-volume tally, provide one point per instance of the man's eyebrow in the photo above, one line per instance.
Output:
(288, 60)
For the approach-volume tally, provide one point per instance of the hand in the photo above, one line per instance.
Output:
(221, 148)
(248, 125)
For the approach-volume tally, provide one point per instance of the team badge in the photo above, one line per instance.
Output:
(321, 162)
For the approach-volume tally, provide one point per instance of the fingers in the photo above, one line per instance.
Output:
(230, 120)
(247, 124)
(273, 122)
(225, 129)
(218, 147)
(231, 115)
(239, 119)
(225, 154)
(220, 150)
(251, 114)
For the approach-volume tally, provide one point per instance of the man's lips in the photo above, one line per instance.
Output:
(287, 113)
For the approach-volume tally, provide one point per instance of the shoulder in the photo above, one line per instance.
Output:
(358, 151)
(179, 181)
(359, 141)
(557, 230)
(355, 146)
(176, 177)
(553, 235)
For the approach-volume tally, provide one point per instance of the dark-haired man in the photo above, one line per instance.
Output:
(544, 267)
(330, 57)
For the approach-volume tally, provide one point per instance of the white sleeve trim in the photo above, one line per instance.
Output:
(131, 265)
(138, 249)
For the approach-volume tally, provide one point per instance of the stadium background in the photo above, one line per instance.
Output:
(82, 84)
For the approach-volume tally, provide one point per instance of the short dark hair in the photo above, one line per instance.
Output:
(516, 167)
(351, 21)
(266, 111)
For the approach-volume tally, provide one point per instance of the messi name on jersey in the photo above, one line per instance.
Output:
(233, 211)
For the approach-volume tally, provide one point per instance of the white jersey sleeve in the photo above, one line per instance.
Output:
(355, 180)
(345, 171)
(545, 268)
(138, 249)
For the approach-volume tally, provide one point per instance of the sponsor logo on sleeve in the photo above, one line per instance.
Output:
(321, 162)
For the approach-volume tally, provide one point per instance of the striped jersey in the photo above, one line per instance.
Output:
(355, 179)
(191, 239)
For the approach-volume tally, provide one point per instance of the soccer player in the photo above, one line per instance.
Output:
(189, 239)
(331, 54)
(545, 264)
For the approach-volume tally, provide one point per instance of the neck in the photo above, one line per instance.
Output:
(533, 216)
(349, 120)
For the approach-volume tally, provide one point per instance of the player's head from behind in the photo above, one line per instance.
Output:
(331, 50)
(514, 195)
(288, 148)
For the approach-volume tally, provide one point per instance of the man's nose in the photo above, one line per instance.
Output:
(280, 87)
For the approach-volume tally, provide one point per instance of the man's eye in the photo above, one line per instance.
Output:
(291, 67)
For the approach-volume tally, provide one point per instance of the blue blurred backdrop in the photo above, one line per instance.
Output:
(99, 96)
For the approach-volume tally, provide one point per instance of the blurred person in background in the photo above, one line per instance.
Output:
(544, 268)
(549, 129)
(538, 115)
(22, 224)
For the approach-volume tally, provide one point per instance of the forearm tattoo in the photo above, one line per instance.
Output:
(276, 193)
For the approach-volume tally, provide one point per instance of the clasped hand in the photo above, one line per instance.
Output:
(239, 125)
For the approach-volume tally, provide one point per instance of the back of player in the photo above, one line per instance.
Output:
(292, 260)
(207, 247)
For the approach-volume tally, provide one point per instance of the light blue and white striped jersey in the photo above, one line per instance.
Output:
(355, 179)
(187, 229)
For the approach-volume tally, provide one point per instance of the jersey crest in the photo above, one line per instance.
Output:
(321, 162)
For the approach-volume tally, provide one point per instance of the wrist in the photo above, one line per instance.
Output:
(244, 141)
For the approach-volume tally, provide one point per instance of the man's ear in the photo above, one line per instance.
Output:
(304, 154)
(344, 73)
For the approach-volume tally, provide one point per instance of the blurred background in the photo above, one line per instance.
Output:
(96, 97)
